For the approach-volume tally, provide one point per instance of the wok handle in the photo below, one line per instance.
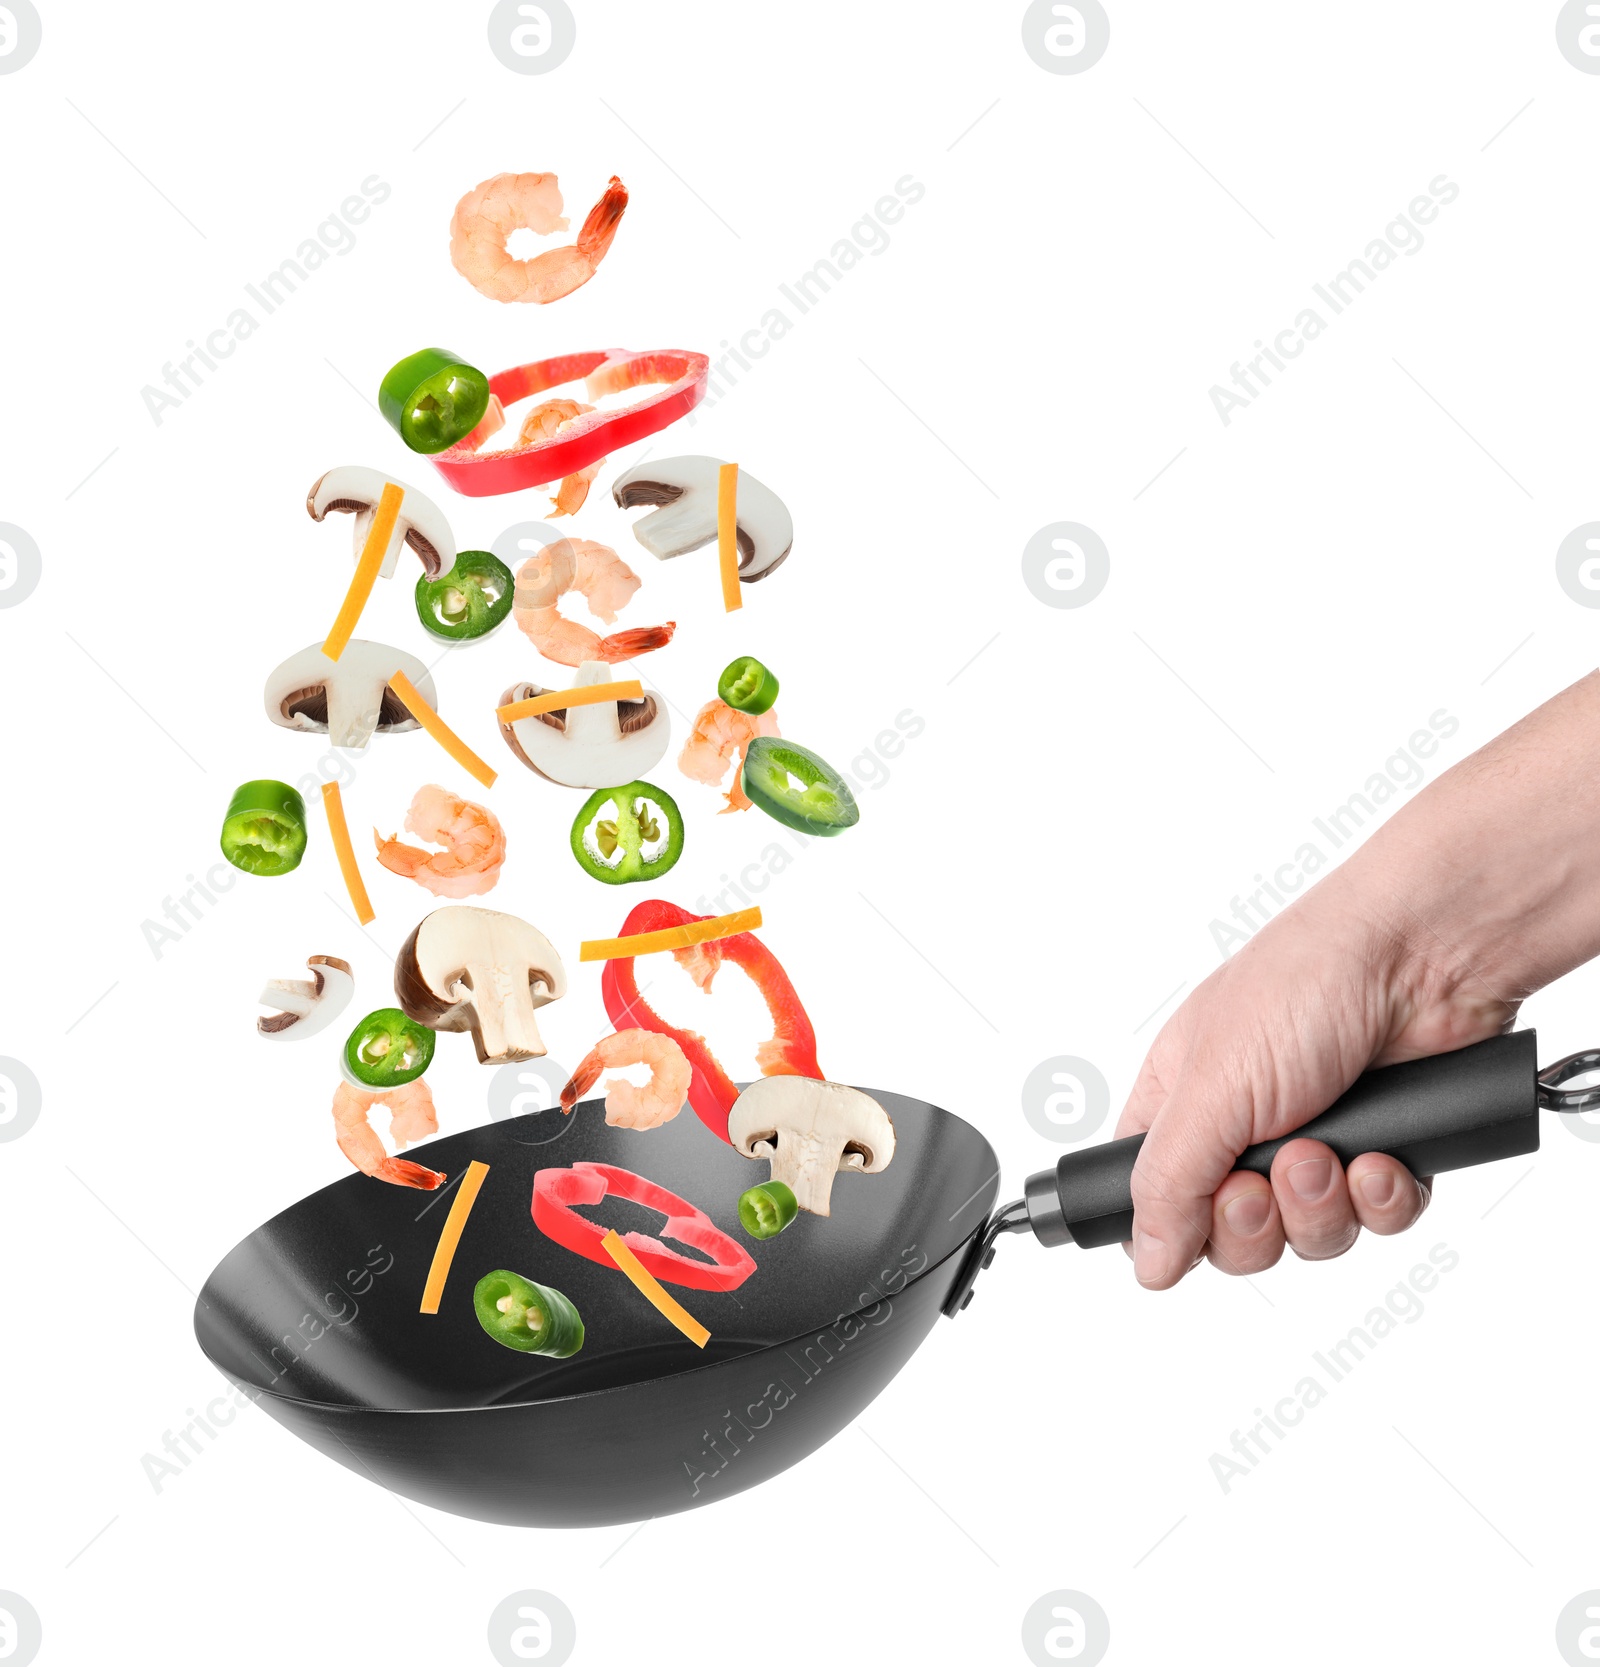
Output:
(1476, 1105)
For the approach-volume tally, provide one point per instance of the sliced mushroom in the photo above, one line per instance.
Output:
(601, 745)
(473, 969)
(307, 1006)
(355, 490)
(811, 1131)
(347, 699)
(683, 494)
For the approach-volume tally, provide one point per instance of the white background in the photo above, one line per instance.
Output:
(1348, 556)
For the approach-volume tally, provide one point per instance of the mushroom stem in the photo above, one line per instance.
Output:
(352, 717)
(504, 1026)
(806, 1162)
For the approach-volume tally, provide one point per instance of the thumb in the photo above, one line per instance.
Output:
(1188, 1153)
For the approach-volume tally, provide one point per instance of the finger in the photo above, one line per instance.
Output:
(1146, 1098)
(1246, 1229)
(1313, 1200)
(1387, 1197)
(1186, 1156)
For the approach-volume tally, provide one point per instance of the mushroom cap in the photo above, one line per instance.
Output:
(682, 495)
(354, 489)
(809, 1107)
(600, 745)
(307, 1006)
(431, 970)
(347, 699)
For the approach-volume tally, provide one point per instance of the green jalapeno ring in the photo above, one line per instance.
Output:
(264, 830)
(627, 833)
(765, 1210)
(748, 686)
(522, 1315)
(433, 398)
(823, 803)
(388, 1049)
(471, 600)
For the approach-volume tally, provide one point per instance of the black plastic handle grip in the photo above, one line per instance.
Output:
(1473, 1106)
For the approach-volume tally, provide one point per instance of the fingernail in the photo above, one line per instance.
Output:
(1378, 1188)
(1310, 1178)
(1247, 1214)
(1150, 1260)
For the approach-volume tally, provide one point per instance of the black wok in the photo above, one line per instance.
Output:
(315, 1314)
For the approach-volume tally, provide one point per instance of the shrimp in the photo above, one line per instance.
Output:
(543, 422)
(411, 1117)
(606, 583)
(628, 1107)
(474, 845)
(720, 733)
(489, 213)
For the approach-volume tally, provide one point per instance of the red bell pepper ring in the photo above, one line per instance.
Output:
(556, 1191)
(792, 1049)
(586, 439)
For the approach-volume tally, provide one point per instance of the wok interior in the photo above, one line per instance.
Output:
(321, 1303)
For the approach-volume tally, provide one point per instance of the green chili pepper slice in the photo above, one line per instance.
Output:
(767, 1209)
(432, 399)
(614, 848)
(747, 686)
(535, 1319)
(388, 1049)
(470, 600)
(264, 831)
(821, 804)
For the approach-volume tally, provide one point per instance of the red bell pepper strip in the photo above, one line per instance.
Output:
(587, 438)
(556, 1191)
(792, 1049)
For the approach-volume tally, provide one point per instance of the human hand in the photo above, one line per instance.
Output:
(1480, 890)
(1272, 1038)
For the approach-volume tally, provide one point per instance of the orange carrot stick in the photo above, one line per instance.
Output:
(460, 1208)
(345, 851)
(440, 730)
(653, 1291)
(558, 700)
(670, 937)
(366, 574)
(727, 535)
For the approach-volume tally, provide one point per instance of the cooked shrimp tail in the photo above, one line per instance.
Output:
(401, 1172)
(582, 1080)
(594, 238)
(623, 645)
